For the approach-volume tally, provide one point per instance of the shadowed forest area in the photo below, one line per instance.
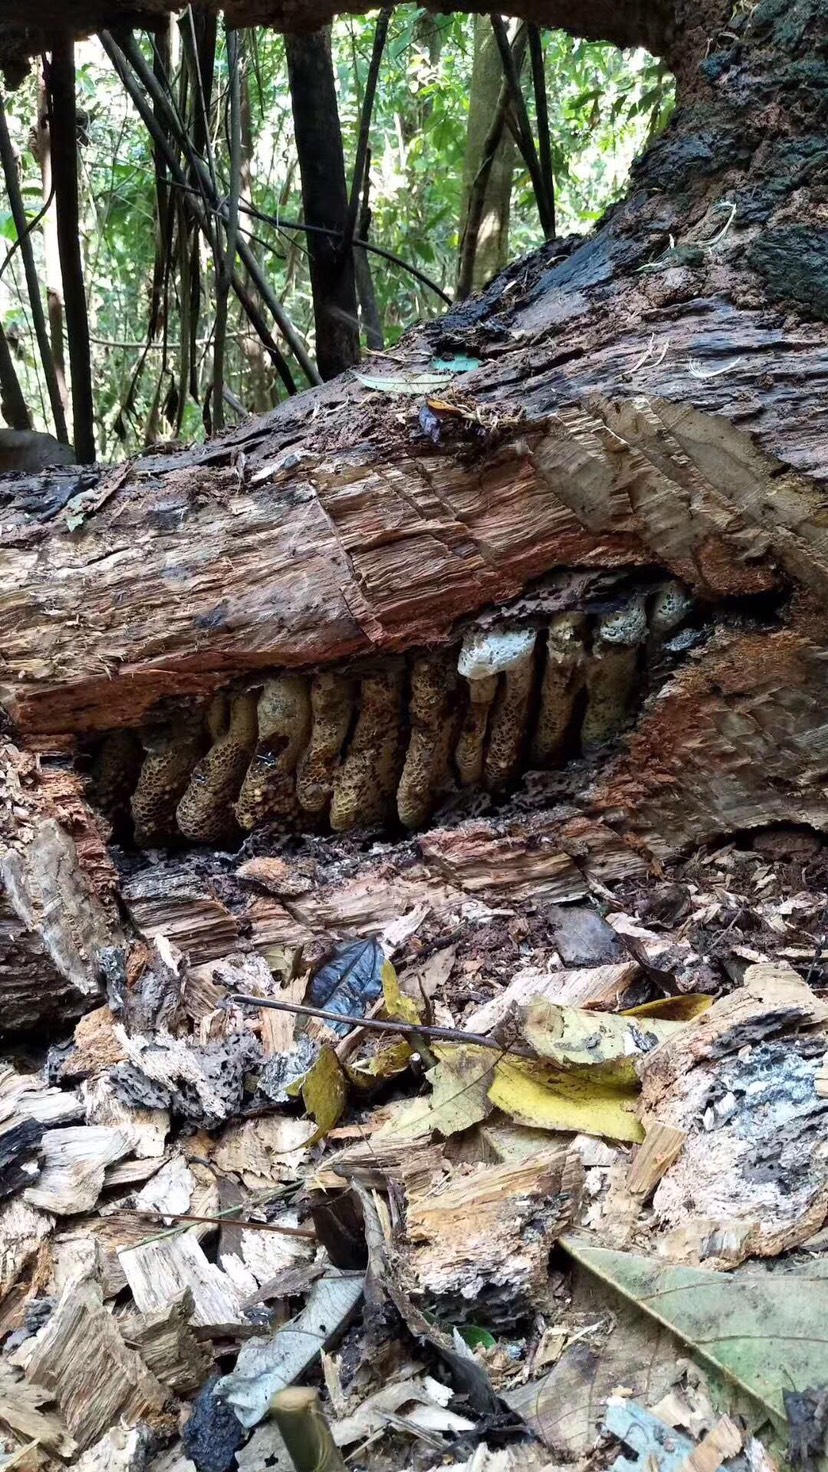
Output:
(403, 106)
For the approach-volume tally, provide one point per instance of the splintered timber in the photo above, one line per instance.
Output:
(383, 742)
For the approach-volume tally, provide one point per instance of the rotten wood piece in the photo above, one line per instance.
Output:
(80, 1358)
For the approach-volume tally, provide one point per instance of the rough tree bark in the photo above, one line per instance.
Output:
(650, 405)
(324, 200)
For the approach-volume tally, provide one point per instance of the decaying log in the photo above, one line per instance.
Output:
(581, 618)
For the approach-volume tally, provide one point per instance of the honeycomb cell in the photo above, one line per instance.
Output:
(115, 771)
(205, 812)
(612, 674)
(172, 751)
(469, 755)
(332, 705)
(432, 714)
(563, 680)
(365, 784)
(671, 604)
(508, 725)
(268, 791)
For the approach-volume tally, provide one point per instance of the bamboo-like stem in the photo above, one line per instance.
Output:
(361, 159)
(64, 139)
(202, 212)
(21, 225)
(305, 1431)
(523, 131)
(227, 256)
(542, 115)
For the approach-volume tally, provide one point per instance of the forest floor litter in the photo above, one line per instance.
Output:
(515, 1188)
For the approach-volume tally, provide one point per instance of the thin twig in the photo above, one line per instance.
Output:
(408, 1029)
(278, 223)
(360, 160)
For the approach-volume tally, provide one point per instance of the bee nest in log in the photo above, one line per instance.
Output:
(384, 743)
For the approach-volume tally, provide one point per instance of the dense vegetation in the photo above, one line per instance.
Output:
(152, 280)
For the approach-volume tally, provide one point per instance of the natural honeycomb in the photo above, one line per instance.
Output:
(205, 812)
(172, 751)
(432, 713)
(365, 784)
(332, 706)
(385, 742)
(562, 681)
(268, 791)
(612, 672)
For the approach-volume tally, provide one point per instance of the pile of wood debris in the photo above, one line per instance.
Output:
(548, 1212)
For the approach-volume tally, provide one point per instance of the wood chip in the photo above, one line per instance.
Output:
(662, 1145)
(81, 1359)
(167, 1344)
(74, 1166)
(160, 1269)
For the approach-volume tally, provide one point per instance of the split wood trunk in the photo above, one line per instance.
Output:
(649, 412)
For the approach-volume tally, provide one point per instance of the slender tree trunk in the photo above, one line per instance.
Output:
(488, 249)
(51, 252)
(368, 306)
(65, 174)
(324, 199)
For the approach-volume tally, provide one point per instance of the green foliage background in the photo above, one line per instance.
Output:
(605, 104)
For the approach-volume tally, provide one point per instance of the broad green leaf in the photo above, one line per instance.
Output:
(765, 1330)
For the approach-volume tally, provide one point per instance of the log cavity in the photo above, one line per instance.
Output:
(383, 743)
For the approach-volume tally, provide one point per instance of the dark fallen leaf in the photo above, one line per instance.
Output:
(807, 1413)
(430, 423)
(350, 981)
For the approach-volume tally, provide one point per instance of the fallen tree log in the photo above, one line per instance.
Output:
(289, 627)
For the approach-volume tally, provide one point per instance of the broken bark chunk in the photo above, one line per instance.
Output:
(167, 1344)
(82, 1360)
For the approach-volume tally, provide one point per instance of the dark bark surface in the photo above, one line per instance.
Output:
(324, 200)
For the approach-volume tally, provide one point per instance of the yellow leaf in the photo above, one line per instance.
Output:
(459, 1098)
(389, 1060)
(397, 1004)
(538, 1094)
(675, 1009)
(604, 1041)
(325, 1092)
